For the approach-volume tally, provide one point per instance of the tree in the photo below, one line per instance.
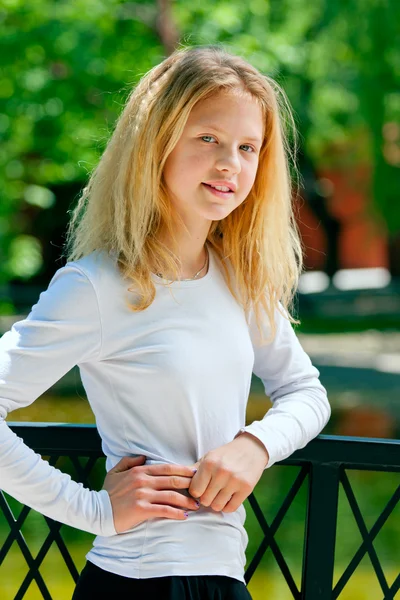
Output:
(75, 63)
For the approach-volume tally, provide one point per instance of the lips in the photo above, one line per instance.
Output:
(220, 191)
(222, 183)
(224, 196)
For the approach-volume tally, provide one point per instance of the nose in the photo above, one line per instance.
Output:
(228, 160)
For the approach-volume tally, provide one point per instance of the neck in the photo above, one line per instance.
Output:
(192, 252)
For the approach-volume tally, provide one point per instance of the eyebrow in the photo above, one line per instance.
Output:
(212, 126)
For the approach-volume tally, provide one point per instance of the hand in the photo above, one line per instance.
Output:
(227, 475)
(139, 492)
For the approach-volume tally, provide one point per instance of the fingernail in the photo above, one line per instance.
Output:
(197, 503)
(186, 514)
(194, 470)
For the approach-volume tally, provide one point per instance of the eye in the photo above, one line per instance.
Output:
(247, 146)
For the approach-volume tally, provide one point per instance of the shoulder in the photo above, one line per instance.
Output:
(94, 265)
(99, 268)
(83, 279)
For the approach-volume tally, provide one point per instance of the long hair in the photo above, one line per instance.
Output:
(125, 204)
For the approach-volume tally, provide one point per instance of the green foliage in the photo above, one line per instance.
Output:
(67, 67)
(72, 66)
(339, 63)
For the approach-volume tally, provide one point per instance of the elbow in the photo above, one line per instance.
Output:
(322, 408)
(320, 402)
(326, 409)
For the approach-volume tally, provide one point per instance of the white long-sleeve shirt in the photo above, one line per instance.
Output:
(171, 383)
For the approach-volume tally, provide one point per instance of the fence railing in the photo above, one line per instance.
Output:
(323, 468)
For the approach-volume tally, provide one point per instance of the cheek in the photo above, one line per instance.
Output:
(183, 169)
(249, 172)
(192, 164)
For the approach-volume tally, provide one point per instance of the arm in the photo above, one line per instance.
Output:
(300, 407)
(62, 330)
(227, 475)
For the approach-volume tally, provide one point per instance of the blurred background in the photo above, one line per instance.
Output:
(66, 70)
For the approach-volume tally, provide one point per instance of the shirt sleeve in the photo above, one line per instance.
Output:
(300, 407)
(62, 330)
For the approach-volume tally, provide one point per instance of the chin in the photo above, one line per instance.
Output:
(217, 213)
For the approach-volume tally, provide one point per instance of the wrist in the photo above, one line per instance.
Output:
(255, 443)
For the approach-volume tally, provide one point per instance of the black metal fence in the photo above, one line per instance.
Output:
(323, 468)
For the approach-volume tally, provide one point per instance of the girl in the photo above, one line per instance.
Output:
(183, 257)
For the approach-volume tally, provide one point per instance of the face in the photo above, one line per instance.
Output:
(220, 144)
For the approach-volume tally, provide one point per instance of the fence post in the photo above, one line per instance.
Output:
(320, 532)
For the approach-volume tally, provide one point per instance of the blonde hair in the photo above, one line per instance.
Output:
(125, 205)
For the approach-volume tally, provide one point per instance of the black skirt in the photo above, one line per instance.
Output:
(97, 584)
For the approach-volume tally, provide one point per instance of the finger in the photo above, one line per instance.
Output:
(172, 499)
(233, 503)
(200, 482)
(167, 512)
(127, 462)
(167, 469)
(169, 482)
(209, 495)
(217, 482)
(221, 500)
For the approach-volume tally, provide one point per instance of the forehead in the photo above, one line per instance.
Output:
(230, 111)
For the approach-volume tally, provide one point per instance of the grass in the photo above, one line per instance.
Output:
(372, 491)
(264, 584)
